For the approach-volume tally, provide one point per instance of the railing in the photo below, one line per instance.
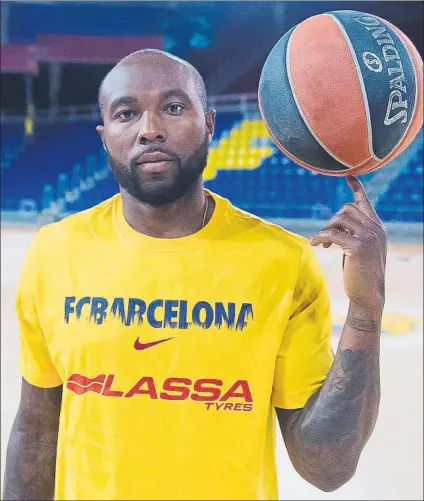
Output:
(53, 115)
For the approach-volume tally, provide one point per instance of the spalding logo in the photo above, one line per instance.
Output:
(397, 104)
(372, 62)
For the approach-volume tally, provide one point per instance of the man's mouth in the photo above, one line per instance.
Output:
(154, 162)
(155, 167)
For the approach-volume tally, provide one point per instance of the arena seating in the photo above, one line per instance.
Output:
(55, 149)
(243, 166)
(403, 201)
(11, 143)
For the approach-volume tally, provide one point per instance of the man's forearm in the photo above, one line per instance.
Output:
(328, 435)
(30, 462)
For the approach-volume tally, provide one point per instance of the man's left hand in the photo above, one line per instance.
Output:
(358, 230)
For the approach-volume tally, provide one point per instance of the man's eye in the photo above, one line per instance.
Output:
(125, 114)
(175, 109)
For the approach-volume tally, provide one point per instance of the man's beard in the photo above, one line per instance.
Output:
(187, 174)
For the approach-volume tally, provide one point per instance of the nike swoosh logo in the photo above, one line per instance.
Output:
(144, 346)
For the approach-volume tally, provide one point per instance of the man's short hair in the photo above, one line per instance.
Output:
(198, 80)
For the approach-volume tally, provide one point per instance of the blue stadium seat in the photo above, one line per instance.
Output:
(55, 149)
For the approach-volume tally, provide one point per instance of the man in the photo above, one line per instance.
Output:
(160, 329)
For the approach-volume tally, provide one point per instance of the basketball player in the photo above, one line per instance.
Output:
(162, 329)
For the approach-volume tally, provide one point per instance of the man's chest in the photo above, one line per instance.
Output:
(164, 314)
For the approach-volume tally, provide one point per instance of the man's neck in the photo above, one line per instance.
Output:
(175, 220)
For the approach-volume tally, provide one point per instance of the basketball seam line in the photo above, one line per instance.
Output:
(349, 166)
(395, 30)
(292, 157)
(363, 89)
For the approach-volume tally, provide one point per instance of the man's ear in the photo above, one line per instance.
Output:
(210, 123)
(101, 130)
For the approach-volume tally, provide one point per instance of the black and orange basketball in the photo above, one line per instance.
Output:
(342, 93)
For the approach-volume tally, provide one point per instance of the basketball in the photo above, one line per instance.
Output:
(342, 93)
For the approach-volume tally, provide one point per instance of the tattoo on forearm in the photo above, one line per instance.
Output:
(336, 413)
(326, 437)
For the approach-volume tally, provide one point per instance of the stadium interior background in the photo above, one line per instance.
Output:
(53, 58)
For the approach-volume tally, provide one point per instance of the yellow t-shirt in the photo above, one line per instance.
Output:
(172, 352)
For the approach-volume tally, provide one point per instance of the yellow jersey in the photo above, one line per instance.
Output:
(172, 353)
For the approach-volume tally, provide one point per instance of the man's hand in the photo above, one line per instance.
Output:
(326, 437)
(357, 229)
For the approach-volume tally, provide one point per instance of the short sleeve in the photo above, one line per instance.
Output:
(35, 363)
(305, 355)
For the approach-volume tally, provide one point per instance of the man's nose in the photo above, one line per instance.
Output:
(151, 129)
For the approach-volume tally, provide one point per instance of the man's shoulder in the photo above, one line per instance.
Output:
(272, 242)
(261, 230)
(74, 226)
